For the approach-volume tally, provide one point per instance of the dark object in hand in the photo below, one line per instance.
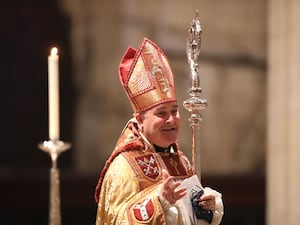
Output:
(200, 213)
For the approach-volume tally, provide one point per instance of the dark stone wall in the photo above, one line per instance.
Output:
(28, 30)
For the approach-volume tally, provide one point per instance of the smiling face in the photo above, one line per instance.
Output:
(160, 124)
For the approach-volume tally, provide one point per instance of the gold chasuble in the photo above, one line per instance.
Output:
(129, 188)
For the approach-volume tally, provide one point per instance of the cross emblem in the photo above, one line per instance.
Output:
(148, 165)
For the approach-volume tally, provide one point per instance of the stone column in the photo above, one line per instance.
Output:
(283, 155)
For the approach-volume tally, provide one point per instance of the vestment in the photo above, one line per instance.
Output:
(129, 185)
(130, 182)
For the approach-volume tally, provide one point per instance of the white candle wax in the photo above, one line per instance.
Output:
(53, 94)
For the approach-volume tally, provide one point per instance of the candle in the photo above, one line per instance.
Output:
(53, 95)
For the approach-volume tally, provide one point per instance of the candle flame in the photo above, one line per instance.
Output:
(54, 51)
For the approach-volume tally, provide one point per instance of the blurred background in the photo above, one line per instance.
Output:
(92, 36)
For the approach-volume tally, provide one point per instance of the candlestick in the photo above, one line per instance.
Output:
(54, 149)
(195, 104)
(53, 94)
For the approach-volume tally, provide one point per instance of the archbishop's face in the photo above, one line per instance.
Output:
(160, 124)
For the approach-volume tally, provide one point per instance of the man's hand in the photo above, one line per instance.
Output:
(168, 189)
(208, 201)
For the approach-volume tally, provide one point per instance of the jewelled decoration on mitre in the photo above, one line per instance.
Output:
(146, 76)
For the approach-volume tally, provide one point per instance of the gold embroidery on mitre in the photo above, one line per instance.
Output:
(160, 77)
(139, 81)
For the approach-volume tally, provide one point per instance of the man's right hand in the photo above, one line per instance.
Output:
(169, 189)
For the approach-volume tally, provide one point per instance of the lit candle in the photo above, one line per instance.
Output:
(53, 94)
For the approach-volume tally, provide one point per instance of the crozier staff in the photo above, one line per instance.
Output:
(139, 183)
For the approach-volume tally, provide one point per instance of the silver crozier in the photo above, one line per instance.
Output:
(195, 104)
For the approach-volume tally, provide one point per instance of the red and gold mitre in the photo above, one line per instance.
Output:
(146, 76)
